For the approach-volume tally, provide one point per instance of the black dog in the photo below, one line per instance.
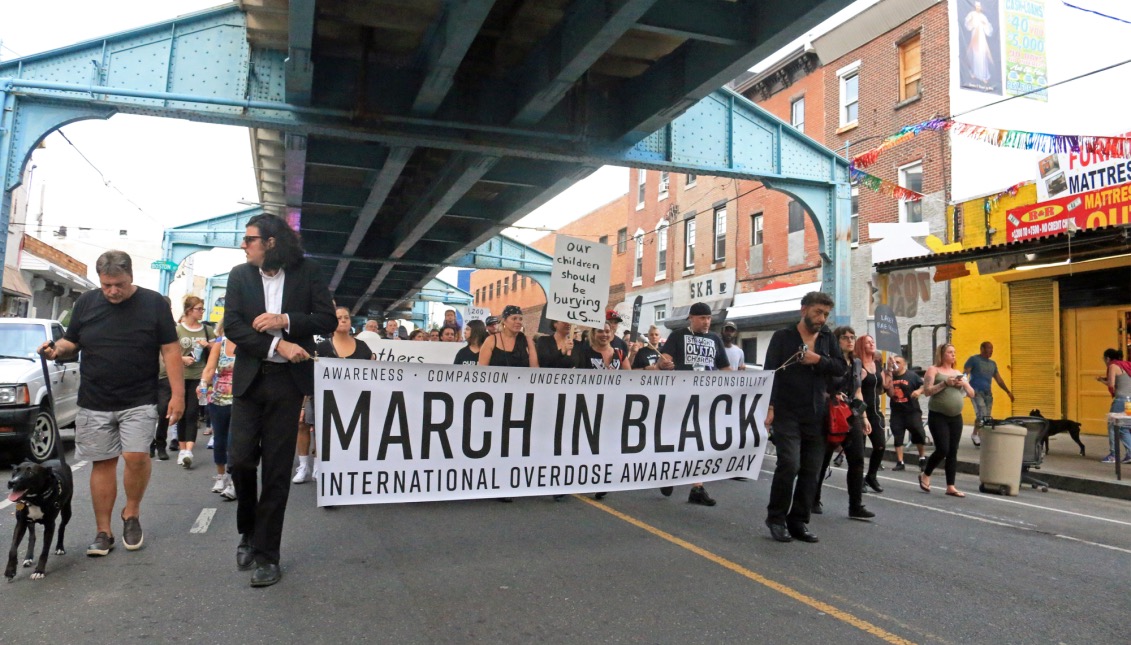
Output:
(42, 493)
(1057, 426)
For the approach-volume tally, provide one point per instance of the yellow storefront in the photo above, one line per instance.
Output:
(1050, 306)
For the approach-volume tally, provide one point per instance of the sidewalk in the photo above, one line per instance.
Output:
(1063, 467)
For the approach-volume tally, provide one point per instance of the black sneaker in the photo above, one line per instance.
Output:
(174, 445)
(599, 495)
(818, 508)
(860, 513)
(922, 464)
(699, 495)
(103, 544)
(666, 491)
(132, 535)
(899, 466)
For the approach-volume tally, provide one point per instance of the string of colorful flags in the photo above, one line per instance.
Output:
(1019, 139)
(884, 187)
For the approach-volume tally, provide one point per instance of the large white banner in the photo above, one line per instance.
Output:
(415, 433)
(414, 352)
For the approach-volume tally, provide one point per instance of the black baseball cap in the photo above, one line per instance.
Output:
(491, 320)
(699, 309)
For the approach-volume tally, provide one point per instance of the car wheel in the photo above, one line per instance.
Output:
(41, 441)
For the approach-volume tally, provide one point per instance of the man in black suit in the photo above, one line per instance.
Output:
(276, 303)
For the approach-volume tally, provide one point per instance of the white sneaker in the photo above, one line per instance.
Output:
(217, 483)
(184, 459)
(211, 443)
(302, 474)
(229, 492)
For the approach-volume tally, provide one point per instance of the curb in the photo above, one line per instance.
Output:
(1072, 484)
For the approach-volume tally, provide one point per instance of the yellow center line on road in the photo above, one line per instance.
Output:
(839, 614)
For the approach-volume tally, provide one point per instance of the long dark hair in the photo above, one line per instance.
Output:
(478, 333)
(287, 251)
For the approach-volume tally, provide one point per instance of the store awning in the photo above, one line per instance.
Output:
(1078, 245)
(14, 283)
(769, 309)
(53, 272)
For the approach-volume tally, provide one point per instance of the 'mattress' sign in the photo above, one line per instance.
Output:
(415, 433)
(1098, 208)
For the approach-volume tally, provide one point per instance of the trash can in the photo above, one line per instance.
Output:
(1003, 447)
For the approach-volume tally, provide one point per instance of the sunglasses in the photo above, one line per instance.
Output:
(248, 239)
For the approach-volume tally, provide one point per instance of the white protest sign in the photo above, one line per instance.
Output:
(407, 351)
(413, 433)
(477, 313)
(579, 281)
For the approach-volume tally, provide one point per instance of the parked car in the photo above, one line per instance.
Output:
(29, 418)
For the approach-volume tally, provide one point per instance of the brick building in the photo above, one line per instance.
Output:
(496, 289)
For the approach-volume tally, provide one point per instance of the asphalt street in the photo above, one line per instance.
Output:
(635, 568)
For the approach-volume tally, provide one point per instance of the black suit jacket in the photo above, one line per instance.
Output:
(306, 300)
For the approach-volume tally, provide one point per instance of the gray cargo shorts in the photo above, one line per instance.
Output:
(106, 435)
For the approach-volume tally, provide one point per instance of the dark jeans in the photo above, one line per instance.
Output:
(947, 432)
(264, 427)
(221, 439)
(878, 439)
(854, 455)
(801, 447)
(186, 427)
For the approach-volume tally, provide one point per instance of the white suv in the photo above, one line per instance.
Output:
(28, 416)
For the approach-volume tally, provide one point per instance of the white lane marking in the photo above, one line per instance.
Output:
(203, 520)
(5, 504)
(989, 521)
(1000, 499)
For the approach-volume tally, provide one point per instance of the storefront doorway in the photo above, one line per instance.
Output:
(1087, 332)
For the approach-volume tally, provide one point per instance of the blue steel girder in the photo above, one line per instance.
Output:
(200, 67)
(222, 232)
(504, 254)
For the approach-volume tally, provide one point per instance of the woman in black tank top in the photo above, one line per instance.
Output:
(509, 347)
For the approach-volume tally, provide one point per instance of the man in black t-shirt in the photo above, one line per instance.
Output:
(120, 330)
(648, 355)
(614, 320)
(906, 388)
(694, 348)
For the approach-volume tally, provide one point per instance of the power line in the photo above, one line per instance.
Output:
(1102, 15)
(106, 182)
(1039, 89)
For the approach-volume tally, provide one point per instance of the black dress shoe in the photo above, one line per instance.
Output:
(245, 555)
(778, 532)
(873, 483)
(698, 495)
(266, 575)
(801, 532)
(666, 491)
(860, 513)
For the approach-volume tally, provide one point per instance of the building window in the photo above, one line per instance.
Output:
(490, 292)
(690, 180)
(750, 350)
(661, 248)
(909, 69)
(849, 78)
(523, 282)
(499, 288)
(797, 114)
(506, 287)
(756, 229)
(663, 185)
(622, 240)
(720, 234)
(689, 240)
(638, 270)
(514, 282)
(659, 313)
(854, 224)
(604, 239)
(641, 178)
(796, 217)
(911, 178)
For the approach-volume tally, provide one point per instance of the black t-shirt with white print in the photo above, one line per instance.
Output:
(590, 359)
(690, 351)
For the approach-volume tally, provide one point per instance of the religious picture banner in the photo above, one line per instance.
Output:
(1095, 209)
(979, 46)
(410, 433)
(1026, 68)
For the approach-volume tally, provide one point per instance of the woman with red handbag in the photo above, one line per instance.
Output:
(848, 391)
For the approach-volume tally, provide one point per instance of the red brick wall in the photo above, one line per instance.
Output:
(605, 220)
(882, 115)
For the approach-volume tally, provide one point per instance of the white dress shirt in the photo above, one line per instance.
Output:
(273, 299)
